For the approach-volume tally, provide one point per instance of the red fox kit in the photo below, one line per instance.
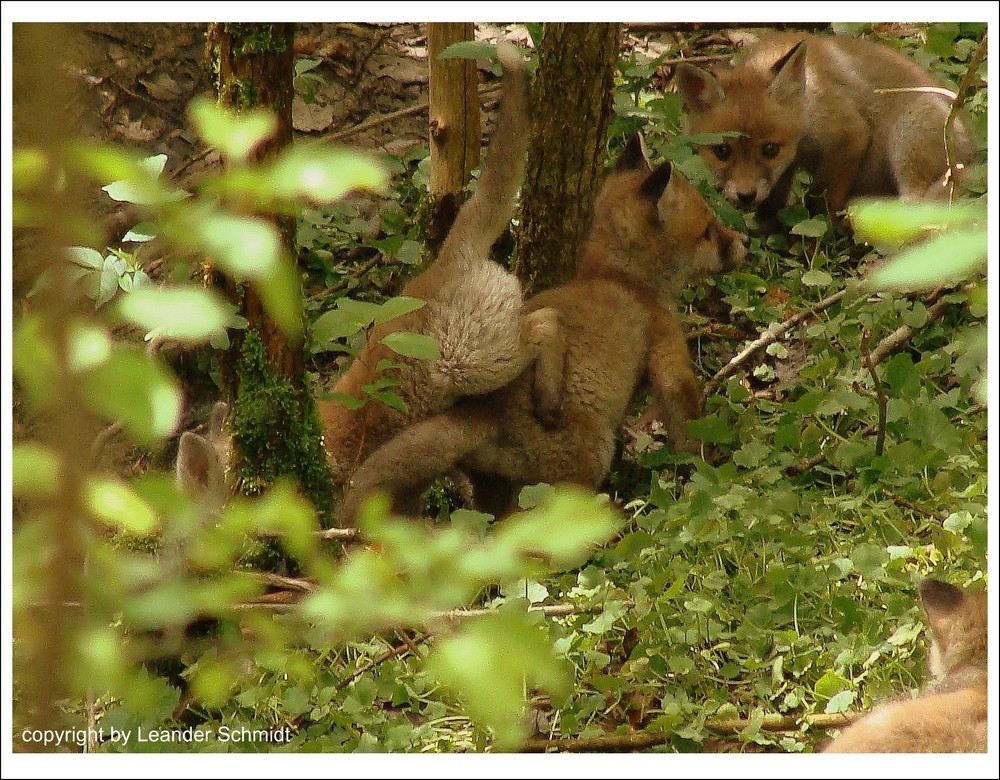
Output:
(814, 102)
(950, 716)
(474, 308)
(651, 234)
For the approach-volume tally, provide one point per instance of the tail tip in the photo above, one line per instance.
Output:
(510, 56)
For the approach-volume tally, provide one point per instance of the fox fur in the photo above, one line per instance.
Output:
(474, 308)
(651, 234)
(950, 716)
(826, 104)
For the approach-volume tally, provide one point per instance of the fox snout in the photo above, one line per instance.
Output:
(744, 194)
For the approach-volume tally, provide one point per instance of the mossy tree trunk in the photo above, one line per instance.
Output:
(454, 128)
(571, 100)
(273, 418)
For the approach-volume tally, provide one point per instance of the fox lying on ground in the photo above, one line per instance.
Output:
(651, 234)
(951, 715)
(474, 309)
(814, 102)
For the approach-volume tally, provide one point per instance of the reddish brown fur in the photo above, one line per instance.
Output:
(819, 103)
(649, 237)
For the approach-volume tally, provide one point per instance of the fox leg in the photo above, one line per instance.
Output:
(544, 340)
(406, 464)
(675, 387)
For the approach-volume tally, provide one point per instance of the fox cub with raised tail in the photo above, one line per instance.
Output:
(474, 308)
(842, 108)
(950, 716)
(651, 233)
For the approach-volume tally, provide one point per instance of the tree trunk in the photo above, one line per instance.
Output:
(273, 417)
(571, 98)
(455, 133)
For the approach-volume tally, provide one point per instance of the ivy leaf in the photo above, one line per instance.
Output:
(476, 50)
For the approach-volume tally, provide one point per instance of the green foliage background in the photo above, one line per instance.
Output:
(773, 575)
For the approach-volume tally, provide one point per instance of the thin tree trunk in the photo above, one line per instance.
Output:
(572, 103)
(454, 129)
(274, 422)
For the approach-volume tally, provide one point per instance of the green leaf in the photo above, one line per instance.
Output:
(323, 174)
(86, 257)
(235, 135)
(336, 324)
(397, 307)
(840, 702)
(28, 168)
(35, 470)
(245, 247)
(490, 662)
(815, 227)
(281, 293)
(944, 259)
(414, 345)
(118, 506)
(562, 530)
(895, 222)
(349, 401)
(830, 684)
(144, 231)
(188, 314)
(137, 391)
(816, 278)
(475, 50)
(869, 560)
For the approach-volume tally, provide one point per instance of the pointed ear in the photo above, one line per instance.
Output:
(217, 420)
(198, 466)
(699, 89)
(657, 182)
(790, 75)
(940, 600)
(634, 155)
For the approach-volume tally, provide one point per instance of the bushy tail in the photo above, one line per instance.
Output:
(488, 212)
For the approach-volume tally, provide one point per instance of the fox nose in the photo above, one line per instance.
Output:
(746, 199)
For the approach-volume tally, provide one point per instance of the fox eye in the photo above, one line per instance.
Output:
(770, 150)
(722, 151)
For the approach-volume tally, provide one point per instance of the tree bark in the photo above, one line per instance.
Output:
(273, 418)
(454, 126)
(572, 97)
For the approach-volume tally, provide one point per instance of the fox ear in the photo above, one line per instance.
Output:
(790, 75)
(633, 157)
(940, 601)
(657, 182)
(699, 89)
(198, 467)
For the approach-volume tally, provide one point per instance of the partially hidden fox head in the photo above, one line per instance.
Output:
(765, 107)
(958, 626)
(658, 228)
(201, 464)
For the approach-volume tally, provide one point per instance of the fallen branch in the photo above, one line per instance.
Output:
(408, 644)
(769, 336)
(484, 91)
(901, 335)
(898, 500)
(641, 740)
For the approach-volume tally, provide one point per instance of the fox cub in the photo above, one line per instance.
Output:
(816, 102)
(474, 308)
(950, 716)
(651, 234)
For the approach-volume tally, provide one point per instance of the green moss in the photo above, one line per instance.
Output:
(254, 39)
(276, 431)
